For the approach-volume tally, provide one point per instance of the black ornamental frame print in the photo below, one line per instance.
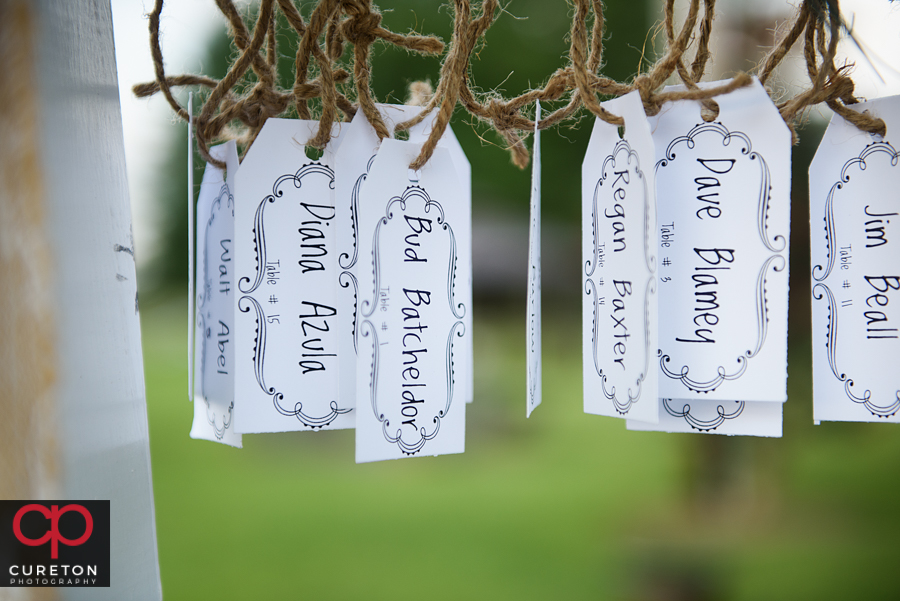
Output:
(224, 202)
(773, 261)
(534, 303)
(622, 400)
(248, 303)
(347, 262)
(703, 425)
(855, 389)
(396, 207)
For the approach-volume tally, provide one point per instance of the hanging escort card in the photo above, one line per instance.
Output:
(394, 114)
(287, 321)
(723, 197)
(855, 256)
(192, 234)
(354, 160)
(618, 216)
(411, 320)
(214, 322)
(353, 163)
(533, 341)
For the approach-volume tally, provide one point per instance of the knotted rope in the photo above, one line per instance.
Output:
(334, 23)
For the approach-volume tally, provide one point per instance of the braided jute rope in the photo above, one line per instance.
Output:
(334, 23)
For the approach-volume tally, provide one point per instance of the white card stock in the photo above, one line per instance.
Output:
(533, 336)
(855, 255)
(733, 418)
(411, 314)
(354, 159)
(723, 199)
(192, 234)
(214, 321)
(394, 114)
(619, 246)
(287, 319)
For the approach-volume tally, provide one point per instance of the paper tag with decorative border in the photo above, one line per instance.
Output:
(855, 255)
(287, 320)
(192, 235)
(419, 133)
(618, 231)
(732, 418)
(533, 327)
(723, 198)
(214, 321)
(354, 158)
(411, 319)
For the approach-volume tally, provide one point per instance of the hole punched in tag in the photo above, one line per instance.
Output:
(621, 130)
(413, 175)
(709, 112)
(314, 154)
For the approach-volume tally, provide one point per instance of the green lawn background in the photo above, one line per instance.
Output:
(561, 506)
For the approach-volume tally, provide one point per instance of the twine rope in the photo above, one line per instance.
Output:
(335, 23)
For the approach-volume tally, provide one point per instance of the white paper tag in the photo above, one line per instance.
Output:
(354, 159)
(733, 418)
(394, 114)
(723, 197)
(855, 256)
(411, 321)
(287, 321)
(533, 345)
(619, 246)
(191, 246)
(214, 324)
(723, 202)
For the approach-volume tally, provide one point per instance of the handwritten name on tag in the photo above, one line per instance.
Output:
(412, 315)
(855, 254)
(419, 133)
(214, 323)
(619, 267)
(287, 321)
(354, 159)
(723, 192)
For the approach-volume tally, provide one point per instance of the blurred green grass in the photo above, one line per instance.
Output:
(564, 505)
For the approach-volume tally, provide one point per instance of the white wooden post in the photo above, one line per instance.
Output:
(102, 412)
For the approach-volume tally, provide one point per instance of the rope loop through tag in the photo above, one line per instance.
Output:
(230, 114)
(831, 85)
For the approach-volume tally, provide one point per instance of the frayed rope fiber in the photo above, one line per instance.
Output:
(227, 114)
